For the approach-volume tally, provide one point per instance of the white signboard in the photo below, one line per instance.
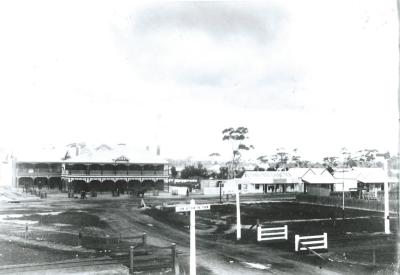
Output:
(188, 207)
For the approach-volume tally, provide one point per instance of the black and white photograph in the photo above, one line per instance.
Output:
(199, 137)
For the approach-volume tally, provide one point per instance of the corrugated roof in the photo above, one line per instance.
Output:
(346, 174)
(119, 152)
(100, 154)
(47, 155)
(298, 172)
(371, 175)
(319, 171)
(325, 178)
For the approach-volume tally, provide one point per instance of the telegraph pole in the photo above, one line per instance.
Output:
(238, 222)
(385, 158)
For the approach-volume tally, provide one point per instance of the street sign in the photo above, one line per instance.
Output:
(192, 207)
(188, 207)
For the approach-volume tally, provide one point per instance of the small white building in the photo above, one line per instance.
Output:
(268, 182)
(215, 187)
(318, 184)
(345, 180)
(298, 174)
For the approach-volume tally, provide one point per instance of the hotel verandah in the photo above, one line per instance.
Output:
(103, 168)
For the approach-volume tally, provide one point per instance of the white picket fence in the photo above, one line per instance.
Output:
(274, 233)
(317, 242)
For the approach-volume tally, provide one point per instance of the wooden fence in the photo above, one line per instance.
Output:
(349, 202)
(317, 242)
(272, 233)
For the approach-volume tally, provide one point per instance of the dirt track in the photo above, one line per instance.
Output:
(222, 256)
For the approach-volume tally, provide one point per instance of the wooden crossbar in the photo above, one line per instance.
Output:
(311, 237)
(313, 242)
(272, 238)
(273, 229)
(273, 233)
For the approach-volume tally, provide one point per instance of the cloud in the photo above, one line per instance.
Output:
(219, 20)
(226, 51)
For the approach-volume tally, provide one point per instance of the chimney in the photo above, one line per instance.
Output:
(158, 150)
(77, 150)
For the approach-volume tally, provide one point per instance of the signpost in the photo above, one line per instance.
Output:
(192, 207)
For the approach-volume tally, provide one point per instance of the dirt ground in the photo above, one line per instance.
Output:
(59, 228)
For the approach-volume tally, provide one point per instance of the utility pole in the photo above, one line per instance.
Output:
(220, 192)
(385, 158)
(238, 222)
(398, 102)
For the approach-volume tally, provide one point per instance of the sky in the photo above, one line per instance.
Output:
(313, 75)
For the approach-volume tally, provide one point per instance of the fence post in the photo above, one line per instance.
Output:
(131, 258)
(296, 242)
(259, 233)
(373, 257)
(144, 239)
(325, 240)
(258, 223)
(173, 252)
(79, 238)
(286, 232)
(26, 231)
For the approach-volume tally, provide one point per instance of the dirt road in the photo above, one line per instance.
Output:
(122, 216)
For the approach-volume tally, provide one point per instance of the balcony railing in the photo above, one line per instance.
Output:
(122, 175)
(77, 172)
(38, 174)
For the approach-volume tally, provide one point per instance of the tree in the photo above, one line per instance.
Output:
(174, 173)
(367, 157)
(214, 157)
(223, 173)
(296, 158)
(304, 164)
(330, 161)
(237, 139)
(263, 159)
(282, 156)
(194, 172)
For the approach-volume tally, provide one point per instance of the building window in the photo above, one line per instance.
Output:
(257, 186)
(239, 186)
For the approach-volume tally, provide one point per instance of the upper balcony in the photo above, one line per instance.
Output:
(38, 170)
(37, 173)
(109, 170)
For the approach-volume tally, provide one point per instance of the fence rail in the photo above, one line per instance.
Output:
(349, 202)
